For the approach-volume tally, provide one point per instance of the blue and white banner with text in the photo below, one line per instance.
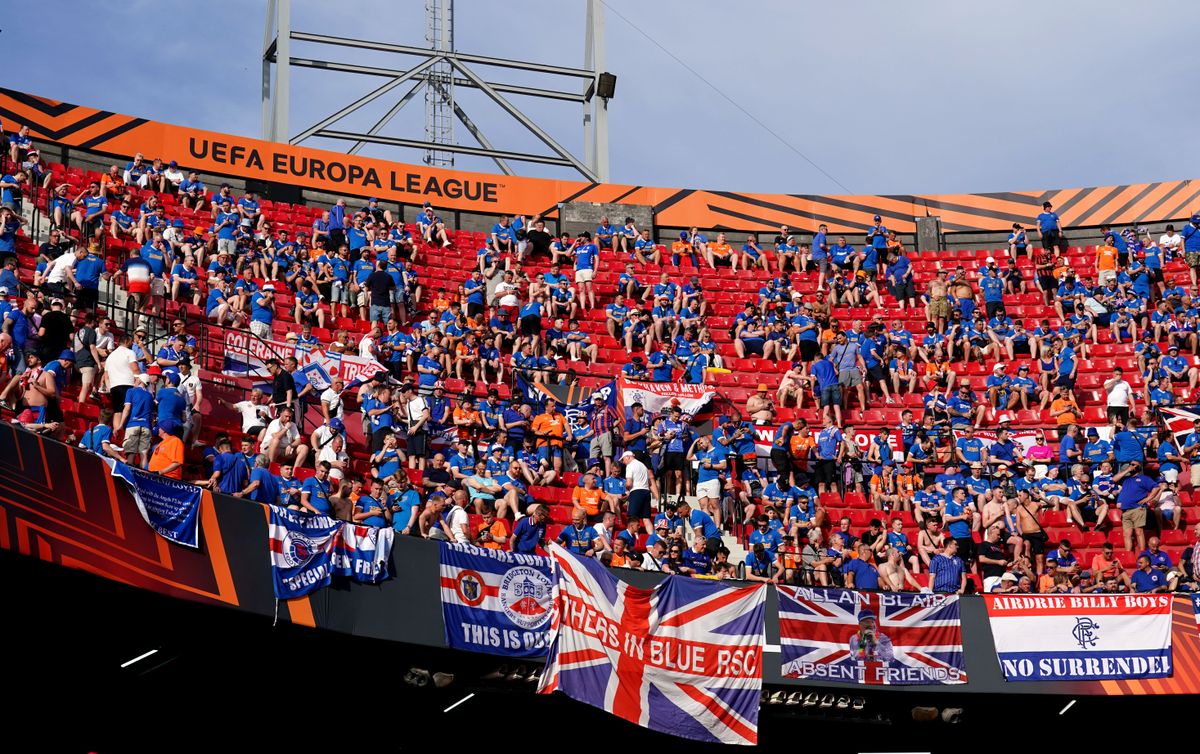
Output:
(171, 507)
(495, 601)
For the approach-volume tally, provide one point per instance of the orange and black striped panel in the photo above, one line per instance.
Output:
(206, 151)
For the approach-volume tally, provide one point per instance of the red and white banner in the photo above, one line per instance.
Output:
(246, 356)
(655, 396)
(683, 658)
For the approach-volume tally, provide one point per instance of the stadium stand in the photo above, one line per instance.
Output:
(123, 289)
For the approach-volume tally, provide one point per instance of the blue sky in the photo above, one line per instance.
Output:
(885, 97)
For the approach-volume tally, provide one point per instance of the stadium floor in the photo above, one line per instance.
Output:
(228, 679)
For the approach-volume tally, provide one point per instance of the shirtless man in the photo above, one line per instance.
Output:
(760, 407)
(930, 540)
(794, 384)
(1025, 513)
(894, 576)
(37, 387)
(993, 511)
(938, 310)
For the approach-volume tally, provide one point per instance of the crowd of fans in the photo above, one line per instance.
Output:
(481, 469)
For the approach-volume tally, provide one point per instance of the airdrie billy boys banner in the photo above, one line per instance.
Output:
(870, 637)
(1072, 637)
(494, 601)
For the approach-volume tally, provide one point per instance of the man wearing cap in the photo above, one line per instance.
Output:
(135, 418)
(1177, 367)
(262, 311)
(868, 644)
(1191, 246)
(1051, 229)
(1137, 494)
(167, 458)
(760, 407)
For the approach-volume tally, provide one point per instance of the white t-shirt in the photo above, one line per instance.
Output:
(190, 388)
(58, 270)
(253, 414)
(322, 436)
(366, 347)
(416, 408)
(289, 433)
(332, 456)
(1119, 394)
(104, 342)
(507, 293)
(336, 407)
(119, 367)
(637, 477)
(1171, 240)
(456, 521)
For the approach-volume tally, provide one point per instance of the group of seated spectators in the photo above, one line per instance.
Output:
(473, 468)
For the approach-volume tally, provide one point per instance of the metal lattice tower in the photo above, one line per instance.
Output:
(440, 70)
(439, 82)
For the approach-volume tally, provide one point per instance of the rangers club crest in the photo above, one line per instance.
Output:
(523, 596)
(297, 550)
(1084, 632)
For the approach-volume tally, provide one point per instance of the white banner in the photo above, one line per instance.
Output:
(1075, 637)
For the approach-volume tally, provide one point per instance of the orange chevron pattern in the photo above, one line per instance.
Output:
(123, 135)
(61, 506)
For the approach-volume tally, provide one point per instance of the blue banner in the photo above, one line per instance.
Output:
(495, 601)
(169, 506)
(316, 375)
(301, 548)
(361, 552)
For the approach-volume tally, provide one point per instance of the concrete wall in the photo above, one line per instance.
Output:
(576, 217)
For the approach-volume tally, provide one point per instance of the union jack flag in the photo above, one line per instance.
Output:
(870, 637)
(683, 658)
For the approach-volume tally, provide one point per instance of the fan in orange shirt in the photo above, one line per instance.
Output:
(720, 251)
(466, 418)
(491, 532)
(590, 498)
(548, 427)
(167, 458)
(1106, 261)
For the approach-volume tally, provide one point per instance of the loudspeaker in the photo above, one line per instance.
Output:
(606, 87)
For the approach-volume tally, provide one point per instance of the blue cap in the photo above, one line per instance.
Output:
(178, 223)
(372, 199)
(337, 424)
(1196, 218)
(877, 218)
(171, 377)
(168, 425)
(866, 614)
